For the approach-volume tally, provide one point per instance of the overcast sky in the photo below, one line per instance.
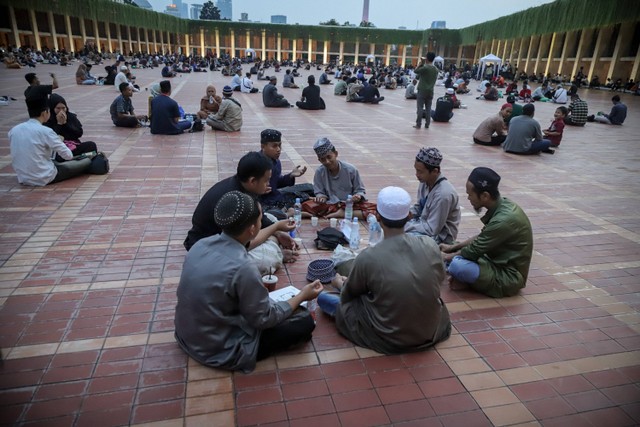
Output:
(413, 14)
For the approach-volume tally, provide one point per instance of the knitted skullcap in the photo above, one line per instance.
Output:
(484, 179)
(506, 105)
(227, 91)
(323, 146)
(233, 209)
(429, 156)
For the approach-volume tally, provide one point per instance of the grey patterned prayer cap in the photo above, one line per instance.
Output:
(323, 146)
(430, 156)
(233, 209)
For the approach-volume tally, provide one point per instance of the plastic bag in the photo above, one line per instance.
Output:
(341, 255)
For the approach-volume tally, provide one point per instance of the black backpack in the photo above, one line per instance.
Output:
(328, 238)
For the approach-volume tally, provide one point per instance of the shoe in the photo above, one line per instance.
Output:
(591, 118)
(549, 151)
(416, 127)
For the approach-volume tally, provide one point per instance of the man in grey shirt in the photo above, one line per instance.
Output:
(437, 212)
(525, 135)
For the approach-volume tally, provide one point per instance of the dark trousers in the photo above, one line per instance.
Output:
(126, 122)
(294, 330)
(71, 169)
(423, 102)
(569, 121)
(495, 140)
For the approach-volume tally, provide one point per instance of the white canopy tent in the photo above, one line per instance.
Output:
(440, 60)
(489, 59)
(250, 53)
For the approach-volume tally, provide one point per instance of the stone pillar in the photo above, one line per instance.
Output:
(202, 42)
(248, 35)
(504, 50)
(563, 54)
(162, 41)
(388, 54)
(83, 31)
(520, 53)
(155, 41)
(526, 65)
(279, 47)
(218, 42)
(341, 53)
(264, 45)
(357, 52)
(404, 55)
(309, 49)
(187, 46)
(626, 34)
(325, 52)
(596, 53)
(169, 47)
(550, 54)
(493, 42)
(52, 26)
(130, 41)
(459, 57)
(34, 27)
(96, 31)
(232, 35)
(67, 20)
(294, 49)
(107, 28)
(476, 54)
(14, 26)
(636, 66)
(119, 35)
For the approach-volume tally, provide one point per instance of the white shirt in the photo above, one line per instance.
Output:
(120, 78)
(560, 96)
(32, 148)
(247, 85)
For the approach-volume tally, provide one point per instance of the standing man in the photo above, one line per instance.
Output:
(496, 261)
(165, 113)
(229, 115)
(437, 213)
(525, 135)
(391, 302)
(428, 74)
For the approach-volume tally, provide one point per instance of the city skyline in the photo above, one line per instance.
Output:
(413, 15)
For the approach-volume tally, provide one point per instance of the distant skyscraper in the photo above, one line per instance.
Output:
(173, 10)
(244, 17)
(226, 9)
(143, 4)
(365, 11)
(439, 24)
(278, 19)
(195, 11)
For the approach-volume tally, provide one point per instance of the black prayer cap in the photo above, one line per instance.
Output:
(270, 135)
(484, 179)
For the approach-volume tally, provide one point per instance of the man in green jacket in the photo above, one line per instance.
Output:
(427, 74)
(496, 261)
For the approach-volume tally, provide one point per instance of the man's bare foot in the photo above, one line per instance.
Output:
(337, 214)
(456, 285)
(289, 255)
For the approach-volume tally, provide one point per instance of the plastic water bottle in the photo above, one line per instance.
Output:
(297, 212)
(354, 238)
(348, 208)
(375, 232)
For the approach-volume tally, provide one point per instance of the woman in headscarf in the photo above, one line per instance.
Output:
(83, 77)
(209, 104)
(66, 124)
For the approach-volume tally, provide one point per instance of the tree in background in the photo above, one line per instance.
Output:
(367, 24)
(330, 22)
(209, 11)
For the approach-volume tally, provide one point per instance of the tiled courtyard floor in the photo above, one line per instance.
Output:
(89, 270)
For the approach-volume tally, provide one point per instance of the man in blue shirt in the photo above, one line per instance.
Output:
(617, 115)
(165, 114)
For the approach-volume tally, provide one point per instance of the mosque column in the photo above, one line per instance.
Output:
(187, 47)
(218, 42)
(458, 58)
(325, 52)
(388, 54)
(162, 41)
(526, 64)
(563, 54)
(248, 35)
(294, 47)
(476, 53)
(52, 26)
(279, 47)
(34, 27)
(309, 49)
(504, 50)
(404, 55)
(521, 46)
(232, 35)
(541, 42)
(107, 27)
(550, 54)
(155, 41)
(626, 32)
(14, 26)
(202, 42)
(636, 66)
(119, 35)
(372, 51)
(264, 45)
(97, 35)
(83, 31)
(357, 52)
(493, 43)
(578, 58)
(596, 53)
(67, 21)
(169, 42)
(497, 48)
(341, 53)
(130, 41)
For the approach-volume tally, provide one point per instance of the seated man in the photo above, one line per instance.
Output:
(490, 93)
(496, 261)
(437, 213)
(617, 115)
(224, 317)
(288, 81)
(333, 182)
(410, 92)
(165, 113)
(370, 93)
(493, 130)
(311, 99)
(341, 86)
(271, 146)
(444, 110)
(252, 177)
(391, 301)
(166, 71)
(324, 78)
(121, 109)
(271, 97)
(578, 111)
(33, 145)
(525, 135)
(236, 81)
(354, 87)
(229, 115)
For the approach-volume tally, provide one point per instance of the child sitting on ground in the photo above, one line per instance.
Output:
(554, 133)
(333, 182)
